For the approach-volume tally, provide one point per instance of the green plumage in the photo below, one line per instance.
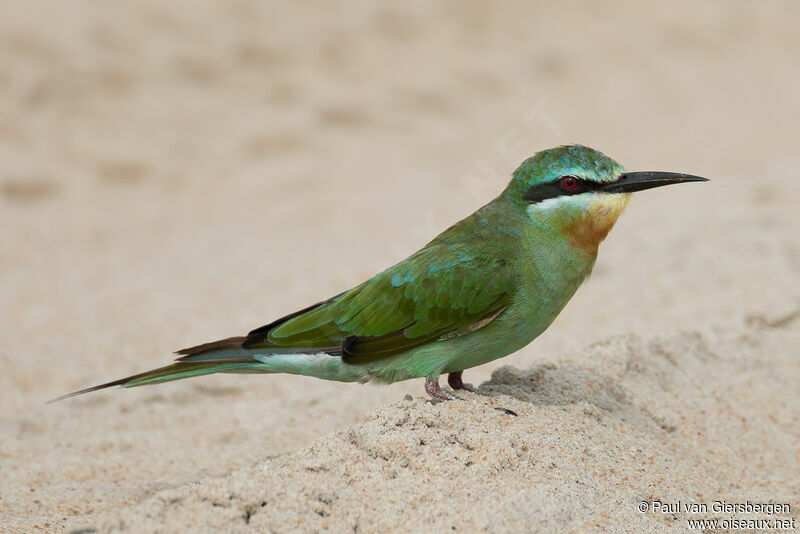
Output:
(441, 289)
(482, 289)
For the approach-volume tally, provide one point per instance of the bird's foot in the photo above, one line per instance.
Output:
(455, 382)
(433, 389)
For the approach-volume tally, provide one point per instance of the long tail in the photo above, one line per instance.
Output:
(222, 356)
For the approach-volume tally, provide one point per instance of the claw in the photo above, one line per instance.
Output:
(433, 389)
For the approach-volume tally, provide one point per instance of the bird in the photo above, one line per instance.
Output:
(481, 290)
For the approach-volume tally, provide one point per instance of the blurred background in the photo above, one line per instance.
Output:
(173, 173)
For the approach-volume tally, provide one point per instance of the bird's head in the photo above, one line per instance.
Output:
(580, 192)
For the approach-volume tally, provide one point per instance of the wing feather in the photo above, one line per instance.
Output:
(440, 292)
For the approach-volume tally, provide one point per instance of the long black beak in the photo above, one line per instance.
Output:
(629, 182)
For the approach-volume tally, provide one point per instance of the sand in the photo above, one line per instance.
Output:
(176, 173)
(561, 447)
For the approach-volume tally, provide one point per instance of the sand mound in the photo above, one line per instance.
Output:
(561, 446)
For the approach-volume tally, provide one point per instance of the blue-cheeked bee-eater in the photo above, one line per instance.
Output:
(482, 289)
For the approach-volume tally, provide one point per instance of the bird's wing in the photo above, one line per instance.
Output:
(441, 291)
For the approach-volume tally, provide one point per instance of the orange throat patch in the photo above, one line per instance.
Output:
(589, 230)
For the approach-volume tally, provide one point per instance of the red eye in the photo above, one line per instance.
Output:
(569, 182)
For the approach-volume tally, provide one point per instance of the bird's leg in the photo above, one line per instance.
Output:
(455, 382)
(433, 389)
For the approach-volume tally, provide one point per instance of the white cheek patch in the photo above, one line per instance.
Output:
(599, 204)
(564, 202)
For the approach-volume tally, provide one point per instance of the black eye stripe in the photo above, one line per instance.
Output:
(556, 188)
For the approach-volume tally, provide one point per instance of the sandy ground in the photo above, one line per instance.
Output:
(172, 173)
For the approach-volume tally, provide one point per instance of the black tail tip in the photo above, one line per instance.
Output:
(88, 390)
